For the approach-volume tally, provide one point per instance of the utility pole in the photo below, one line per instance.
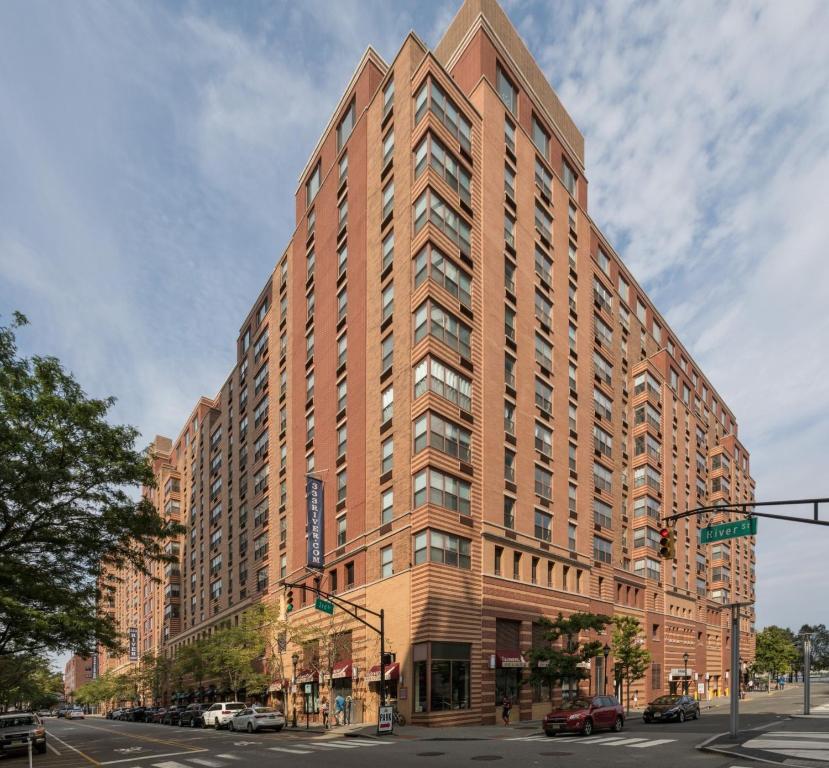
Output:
(807, 673)
(735, 667)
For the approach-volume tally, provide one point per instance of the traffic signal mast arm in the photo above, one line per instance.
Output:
(747, 508)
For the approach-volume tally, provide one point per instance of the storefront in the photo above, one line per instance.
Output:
(341, 680)
(392, 675)
(509, 666)
(442, 673)
(308, 688)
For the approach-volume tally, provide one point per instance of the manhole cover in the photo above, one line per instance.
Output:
(486, 757)
(430, 754)
(555, 754)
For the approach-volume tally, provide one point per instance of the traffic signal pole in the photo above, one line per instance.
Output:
(735, 670)
(807, 674)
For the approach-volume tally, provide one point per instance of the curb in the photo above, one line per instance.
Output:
(704, 747)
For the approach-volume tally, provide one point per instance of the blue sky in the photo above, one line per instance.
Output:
(149, 153)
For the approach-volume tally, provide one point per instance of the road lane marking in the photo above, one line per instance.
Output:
(625, 742)
(147, 757)
(601, 739)
(367, 743)
(292, 751)
(51, 747)
(785, 744)
(229, 757)
(206, 763)
(653, 743)
(91, 760)
(342, 745)
(144, 738)
(798, 734)
(169, 764)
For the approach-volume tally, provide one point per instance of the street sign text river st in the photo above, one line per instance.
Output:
(747, 527)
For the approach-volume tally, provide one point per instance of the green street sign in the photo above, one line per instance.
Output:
(747, 527)
(326, 606)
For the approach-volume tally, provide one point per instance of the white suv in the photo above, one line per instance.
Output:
(219, 714)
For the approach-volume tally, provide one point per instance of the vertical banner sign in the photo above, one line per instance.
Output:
(315, 504)
(133, 644)
(94, 666)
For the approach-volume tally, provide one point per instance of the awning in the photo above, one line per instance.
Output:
(509, 660)
(341, 669)
(307, 676)
(392, 673)
(277, 685)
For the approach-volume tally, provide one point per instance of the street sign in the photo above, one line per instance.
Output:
(747, 527)
(326, 606)
(385, 720)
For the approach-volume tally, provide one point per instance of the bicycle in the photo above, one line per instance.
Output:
(397, 718)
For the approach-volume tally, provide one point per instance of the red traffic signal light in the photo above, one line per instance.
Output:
(667, 544)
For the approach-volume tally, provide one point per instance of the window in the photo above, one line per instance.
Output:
(388, 250)
(342, 485)
(443, 217)
(499, 554)
(260, 546)
(543, 440)
(509, 417)
(509, 370)
(604, 261)
(571, 337)
(509, 182)
(645, 506)
(309, 426)
(341, 531)
(571, 540)
(431, 374)
(342, 258)
(544, 397)
(516, 565)
(431, 95)
(431, 318)
(649, 567)
(646, 537)
(571, 497)
(543, 222)
(509, 323)
(568, 177)
(342, 212)
(444, 548)
(442, 435)
(262, 580)
(445, 164)
(386, 404)
(543, 352)
(602, 478)
(543, 483)
(216, 589)
(388, 97)
(309, 344)
(443, 491)
(509, 229)
(647, 475)
(543, 265)
(602, 550)
(387, 506)
(388, 147)
(432, 263)
(345, 126)
(602, 514)
(509, 512)
(543, 178)
(386, 352)
(603, 442)
(543, 525)
(342, 167)
(541, 138)
(387, 302)
(387, 453)
(507, 91)
(603, 369)
(386, 562)
(312, 186)
(603, 297)
(342, 440)
(640, 311)
(543, 309)
(509, 465)
(388, 199)
(342, 350)
(602, 405)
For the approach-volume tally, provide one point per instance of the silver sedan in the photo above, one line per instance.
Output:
(256, 718)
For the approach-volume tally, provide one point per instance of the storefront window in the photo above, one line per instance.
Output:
(420, 701)
(507, 682)
(541, 691)
(449, 671)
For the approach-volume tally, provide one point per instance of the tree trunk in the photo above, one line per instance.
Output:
(627, 697)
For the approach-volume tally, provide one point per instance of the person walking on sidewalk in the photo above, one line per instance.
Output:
(348, 704)
(339, 709)
(324, 710)
(506, 706)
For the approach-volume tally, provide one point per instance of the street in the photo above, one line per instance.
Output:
(94, 741)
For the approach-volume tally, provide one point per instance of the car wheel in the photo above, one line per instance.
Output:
(619, 724)
(646, 719)
(551, 734)
(216, 725)
(681, 717)
(231, 727)
(250, 727)
(587, 728)
(696, 714)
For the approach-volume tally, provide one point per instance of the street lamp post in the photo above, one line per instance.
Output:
(685, 677)
(295, 660)
(606, 650)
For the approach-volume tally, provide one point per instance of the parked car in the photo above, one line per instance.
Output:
(255, 718)
(44, 713)
(192, 717)
(671, 707)
(172, 715)
(158, 715)
(17, 730)
(218, 715)
(75, 713)
(113, 714)
(581, 715)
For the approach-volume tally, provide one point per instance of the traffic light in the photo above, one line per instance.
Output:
(388, 659)
(289, 601)
(667, 544)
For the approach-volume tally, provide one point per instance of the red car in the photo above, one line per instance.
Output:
(584, 716)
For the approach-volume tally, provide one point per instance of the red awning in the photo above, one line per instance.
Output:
(392, 673)
(341, 669)
(307, 676)
(509, 660)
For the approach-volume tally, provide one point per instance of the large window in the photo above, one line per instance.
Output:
(431, 374)
(568, 176)
(441, 678)
(543, 483)
(433, 319)
(507, 91)
(432, 263)
(442, 490)
(444, 217)
(444, 548)
(431, 96)
(543, 525)
(346, 125)
(544, 397)
(602, 514)
(432, 152)
(541, 138)
(442, 435)
(312, 186)
(602, 550)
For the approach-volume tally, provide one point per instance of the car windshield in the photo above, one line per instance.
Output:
(576, 704)
(16, 722)
(666, 700)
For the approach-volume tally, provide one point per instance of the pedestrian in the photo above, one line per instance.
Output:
(324, 710)
(348, 703)
(635, 699)
(506, 706)
(339, 709)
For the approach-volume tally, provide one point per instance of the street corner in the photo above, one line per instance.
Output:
(787, 743)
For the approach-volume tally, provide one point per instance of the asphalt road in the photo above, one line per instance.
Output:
(97, 742)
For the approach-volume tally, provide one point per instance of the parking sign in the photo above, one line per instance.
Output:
(385, 720)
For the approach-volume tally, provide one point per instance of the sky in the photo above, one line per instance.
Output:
(149, 153)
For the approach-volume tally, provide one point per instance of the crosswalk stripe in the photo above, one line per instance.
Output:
(601, 739)
(625, 742)
(202, 761)
(786, 744)
(797, 734)
(369, 743)
(653, 743)
(229, 757)
(291, 751)
(169, 764)
(344, 745)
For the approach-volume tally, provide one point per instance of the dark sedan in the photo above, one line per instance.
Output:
(158, 715)
(671, 708)
(192, 717)
(172, 716)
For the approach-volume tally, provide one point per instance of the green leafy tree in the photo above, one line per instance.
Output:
(775, 651)
(232, 653)
(629, 652)
(190, 662)
(154, 672)
(27, 681)
(66, 513)
(563, 650)
(820, 645)
(100, 691)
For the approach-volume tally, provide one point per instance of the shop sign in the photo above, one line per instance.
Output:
(133, 644)
(385, 720)
(315, 508)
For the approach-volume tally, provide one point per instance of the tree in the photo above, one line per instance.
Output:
(66, 513)
(100, 690)
(27, 681)
(775, 651)
(820, 645)
(230, 654)
(190, 661)
(629, 652)
(564, 651)
(153, 672)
